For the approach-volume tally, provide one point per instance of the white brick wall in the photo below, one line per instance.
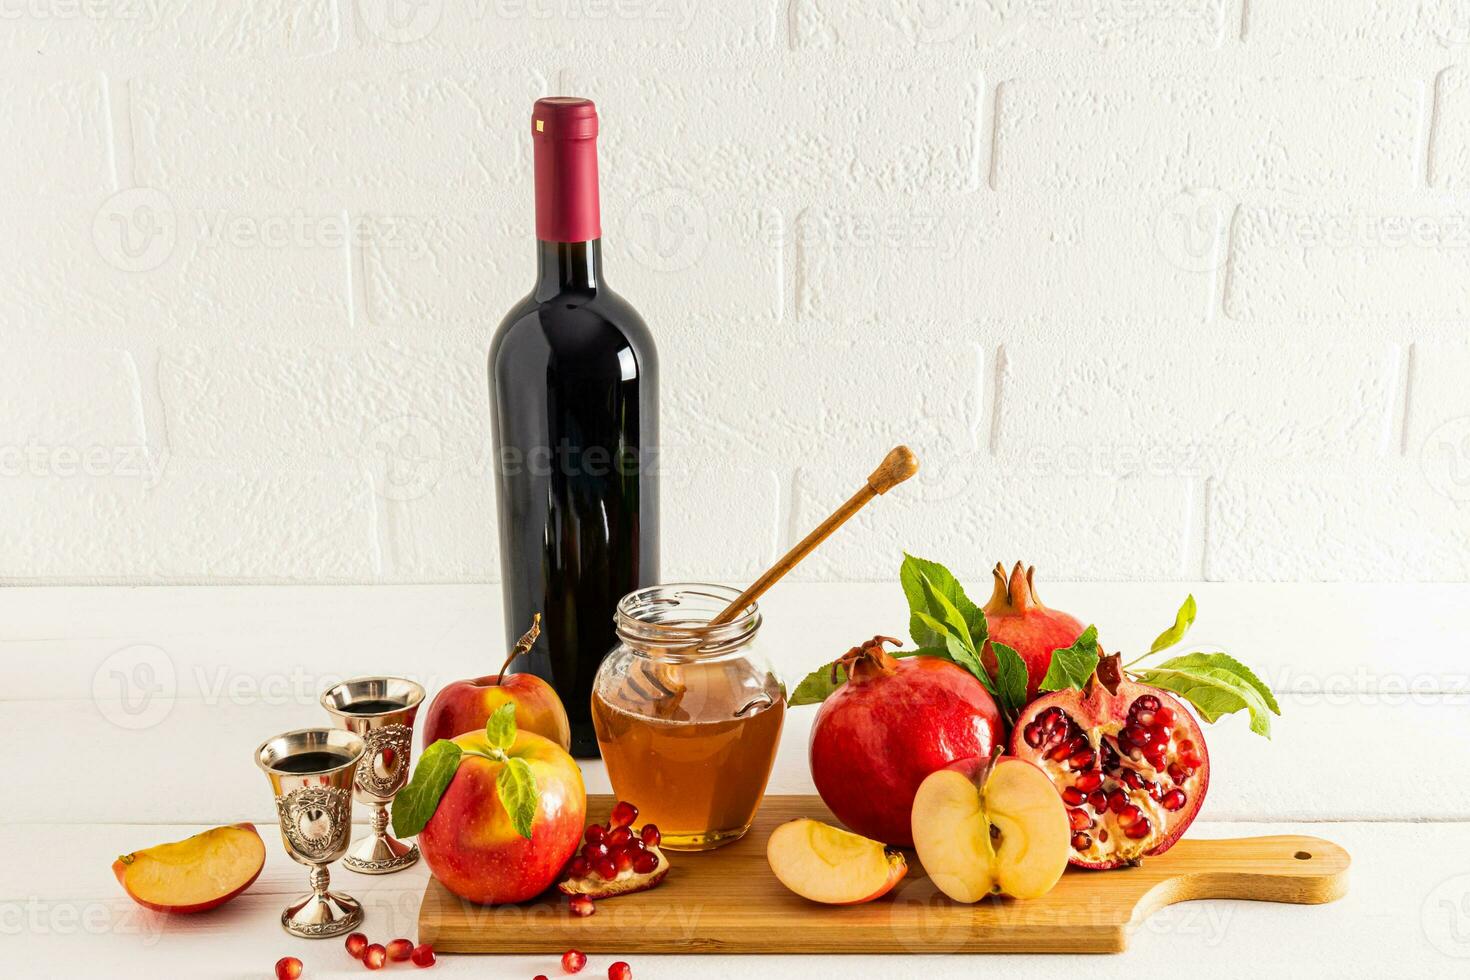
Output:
(1158, 289)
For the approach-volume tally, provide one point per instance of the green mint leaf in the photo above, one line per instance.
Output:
(1072, 666)
(1183, 620)
(817, 686)
(500, 729)
(911, 576)
(516, 787)
(1216, 684)
(1010, 678)
(416, 802)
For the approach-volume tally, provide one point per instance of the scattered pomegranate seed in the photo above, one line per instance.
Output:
(650, 835)
(573, 960)
(1173, 800)
(595, 834)
(1080, 820)
(374, 956)
(1081, 841)
(356, 943)
(620, 971)
(581, 905)
(645, 863)
(623, 815)
(288, 968)
(605, 868)
(423, 956)
(400, 950)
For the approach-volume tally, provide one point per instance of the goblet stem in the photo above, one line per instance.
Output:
(380, 819)
(321, 878)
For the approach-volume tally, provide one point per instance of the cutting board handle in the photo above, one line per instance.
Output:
(1293, 869)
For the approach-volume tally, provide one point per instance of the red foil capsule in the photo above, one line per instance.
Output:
(564, 138)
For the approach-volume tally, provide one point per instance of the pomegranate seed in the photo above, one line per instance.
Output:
(1082, 759)
(1081, 841)
(1139, 830)
(619, 837)
(1079, 818)
(1164, 718)
(1098, 801)
(1156, 756)
(1129, 816)
(623, 860)
(288, 968)
(620, 971)
(374, 956)
(400, 950)
(1033, 735)
(1146, 702)
(1072, 796)
(1144, 718)
(578, 867)
(1191, 759)
(1173, 800)
(573, 960)
(539, 976)
(1131, 779)
(1117, 800)
(1089, 781)
(623, 815)
(423, 956)
(593, 853)
(605, 868)
(645, 863)
(1179, 773)
(1138, 736)
(356, 943)
(595, 834)
(1061, 752)
(650, 835)
(581, 905)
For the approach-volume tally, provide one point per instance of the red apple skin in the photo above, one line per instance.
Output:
(120, 872)
(469, 842)
(465, 706)
(872, 744)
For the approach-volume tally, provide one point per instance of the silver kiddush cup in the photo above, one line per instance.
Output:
(311, 772)
(382, 711)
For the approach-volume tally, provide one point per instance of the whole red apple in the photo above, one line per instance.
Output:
(465, 706)
(471, 844)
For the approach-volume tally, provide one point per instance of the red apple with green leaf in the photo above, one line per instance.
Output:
(498, 812)
(465, 706)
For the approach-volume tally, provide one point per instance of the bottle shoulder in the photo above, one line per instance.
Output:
(574, 324)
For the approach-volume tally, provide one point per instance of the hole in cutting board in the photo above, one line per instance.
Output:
(1303, 855)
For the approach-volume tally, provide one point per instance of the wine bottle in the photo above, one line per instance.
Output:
(574, 406)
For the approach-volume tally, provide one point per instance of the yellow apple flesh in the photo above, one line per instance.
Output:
(824, 864)
(1007, 834)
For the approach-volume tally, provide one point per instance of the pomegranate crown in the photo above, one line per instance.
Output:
(867, 660)
(1016, 593)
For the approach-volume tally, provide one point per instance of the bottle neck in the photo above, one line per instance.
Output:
(568, 267)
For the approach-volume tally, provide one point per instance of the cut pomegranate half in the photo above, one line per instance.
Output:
(1130, 764)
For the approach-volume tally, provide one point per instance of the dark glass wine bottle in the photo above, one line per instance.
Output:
(574, 404)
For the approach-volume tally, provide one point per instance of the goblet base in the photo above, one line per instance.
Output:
(380, 854)
(322, 916)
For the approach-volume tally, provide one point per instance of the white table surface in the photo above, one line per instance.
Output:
(129, 715)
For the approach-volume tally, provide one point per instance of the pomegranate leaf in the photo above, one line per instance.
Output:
(1216, 684)
(1010, 679)
(415, 803)
(912, 575)
(1183, 620)
(1072, 666)
(817, 686)
(516, 787)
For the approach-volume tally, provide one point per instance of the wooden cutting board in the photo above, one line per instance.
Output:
(728, 901)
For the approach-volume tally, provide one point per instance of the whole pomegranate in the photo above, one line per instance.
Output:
(1129, 760)
(1018, 619)
(893, 723)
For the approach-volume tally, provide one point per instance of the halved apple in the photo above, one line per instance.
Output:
(824, 864)
(196, 874)
(982, 829)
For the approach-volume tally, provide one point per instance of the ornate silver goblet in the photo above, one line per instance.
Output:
(311, 772)
(381, 710)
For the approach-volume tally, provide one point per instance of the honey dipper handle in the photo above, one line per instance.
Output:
(897, 466)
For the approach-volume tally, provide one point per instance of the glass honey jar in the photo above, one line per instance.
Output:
(688, 716)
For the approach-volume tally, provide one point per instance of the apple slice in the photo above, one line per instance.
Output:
(983, 829)
(833, 866)
(196, 874)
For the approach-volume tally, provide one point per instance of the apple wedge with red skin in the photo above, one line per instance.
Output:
(991, 828)
(196, 874)
(825, 864)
